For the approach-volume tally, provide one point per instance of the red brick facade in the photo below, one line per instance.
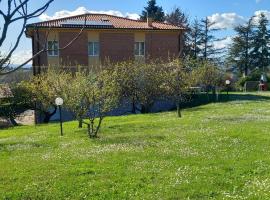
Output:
(76, 53)
(116, 37)
(42, 59)
(162, 45)
(116, 47)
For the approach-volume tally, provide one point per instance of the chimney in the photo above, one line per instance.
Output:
(150, 21)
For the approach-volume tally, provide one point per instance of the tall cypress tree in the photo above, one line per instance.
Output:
(261, 42)
(154, 11)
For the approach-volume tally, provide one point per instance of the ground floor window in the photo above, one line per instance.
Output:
(93, 48)
(139, 48)
(53, 48)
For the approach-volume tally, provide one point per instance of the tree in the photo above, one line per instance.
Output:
(261, 49)
(207, 39)
(44, 88)
(178, 18)
(176, 83)
(91, 96)
(127, 78)
(16, 103)
(73, 94)
(241, 47)
(154, 11)
(17, 11)
(149, 82)
(207, 75)
(102, 98)
(139, 84)
(194, 36)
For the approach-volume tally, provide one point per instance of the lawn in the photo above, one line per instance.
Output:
(218, 151)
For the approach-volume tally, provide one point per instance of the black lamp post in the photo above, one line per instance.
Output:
(59, 102)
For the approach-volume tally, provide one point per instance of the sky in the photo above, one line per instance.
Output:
(226, 13)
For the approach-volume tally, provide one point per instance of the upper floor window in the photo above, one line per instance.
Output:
(139, 48)
(53, 48)
(93, 48)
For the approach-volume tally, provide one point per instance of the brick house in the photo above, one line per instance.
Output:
(105, 38)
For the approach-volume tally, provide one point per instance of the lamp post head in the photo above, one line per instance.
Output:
(59, 101)
(227, 82)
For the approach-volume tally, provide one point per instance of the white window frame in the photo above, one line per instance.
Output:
(53, 54)
(140, 48)
(93, 50)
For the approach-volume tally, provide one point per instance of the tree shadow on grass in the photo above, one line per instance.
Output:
(243, 97)
(13, 146)
(134, 140)
(203, 99)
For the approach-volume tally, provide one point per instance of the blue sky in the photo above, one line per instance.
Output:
(226, 12)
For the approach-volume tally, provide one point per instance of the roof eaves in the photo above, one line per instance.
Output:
(106, 27)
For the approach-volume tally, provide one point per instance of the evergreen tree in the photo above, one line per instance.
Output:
(154, 11)
(178, 18)
(207, 39)
(261, 48)
(241, 48)
(194, 40)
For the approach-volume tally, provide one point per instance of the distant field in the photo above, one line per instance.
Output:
(218, 151)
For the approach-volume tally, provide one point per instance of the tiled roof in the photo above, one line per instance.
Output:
(103, 21)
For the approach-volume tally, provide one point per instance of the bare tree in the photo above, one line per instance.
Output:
(18, 11)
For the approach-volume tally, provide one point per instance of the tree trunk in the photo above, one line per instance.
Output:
(13, 122)
(48, 115)
(95, 135)
(143, 109)
(214, 93)
(133, 107)
(246, 71)
(207, 94)
(80, 123)
(179, 114)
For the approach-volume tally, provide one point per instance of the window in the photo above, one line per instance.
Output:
(53, 48)
(139, 48)
(93, 48)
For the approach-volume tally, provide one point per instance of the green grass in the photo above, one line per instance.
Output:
(218, 151)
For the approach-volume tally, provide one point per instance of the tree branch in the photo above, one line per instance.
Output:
(36, 13)
(14, 47)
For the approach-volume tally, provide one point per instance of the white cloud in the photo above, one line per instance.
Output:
(223, 43)
(226, 20)
(83, 10)
(20, 57)
(259, 12)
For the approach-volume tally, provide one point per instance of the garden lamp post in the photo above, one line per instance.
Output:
(227, 82)
(59, 102)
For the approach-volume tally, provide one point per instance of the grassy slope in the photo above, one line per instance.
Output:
(218, 150)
